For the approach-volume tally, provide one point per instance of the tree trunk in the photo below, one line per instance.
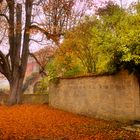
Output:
(13, 65)
(15, 90)
(20, 54)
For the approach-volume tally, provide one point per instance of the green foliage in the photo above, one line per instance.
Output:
(129, 39)
(100, 44)
(121, 36)
(52, 70)
(63, 66)
(79, 42)
(137, 7)
(72, 71)
(41, 87)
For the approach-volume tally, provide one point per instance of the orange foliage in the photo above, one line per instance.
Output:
(28, 122)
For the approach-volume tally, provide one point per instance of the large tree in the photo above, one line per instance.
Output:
(18, 15)
(56, 17)
(13, 65)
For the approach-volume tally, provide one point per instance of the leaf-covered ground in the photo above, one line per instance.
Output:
(40, 122)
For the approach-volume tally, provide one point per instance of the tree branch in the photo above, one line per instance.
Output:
(3, 36)
(38, 3)
(48, 35)
(42, 68)
(3, 15)
(4, 66)
(41, 30)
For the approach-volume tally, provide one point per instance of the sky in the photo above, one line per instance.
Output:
(125, 3)
(35, 46)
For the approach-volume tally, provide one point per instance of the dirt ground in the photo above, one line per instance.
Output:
(40, 122)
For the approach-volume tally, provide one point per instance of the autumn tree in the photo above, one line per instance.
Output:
(105, 43)
(18, 20)
(59, 16)
(78, 40)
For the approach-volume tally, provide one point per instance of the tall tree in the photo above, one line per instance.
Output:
(13, 65)
(56, 17)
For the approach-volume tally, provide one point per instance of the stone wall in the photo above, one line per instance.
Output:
(107, 97)
(3, 98)
(27, 98)
(35, 98)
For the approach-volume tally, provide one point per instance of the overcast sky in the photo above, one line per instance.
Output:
(125, 3)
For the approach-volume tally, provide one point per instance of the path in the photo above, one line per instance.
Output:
(40, 122)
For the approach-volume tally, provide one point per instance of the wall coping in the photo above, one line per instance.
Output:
(95, 75)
